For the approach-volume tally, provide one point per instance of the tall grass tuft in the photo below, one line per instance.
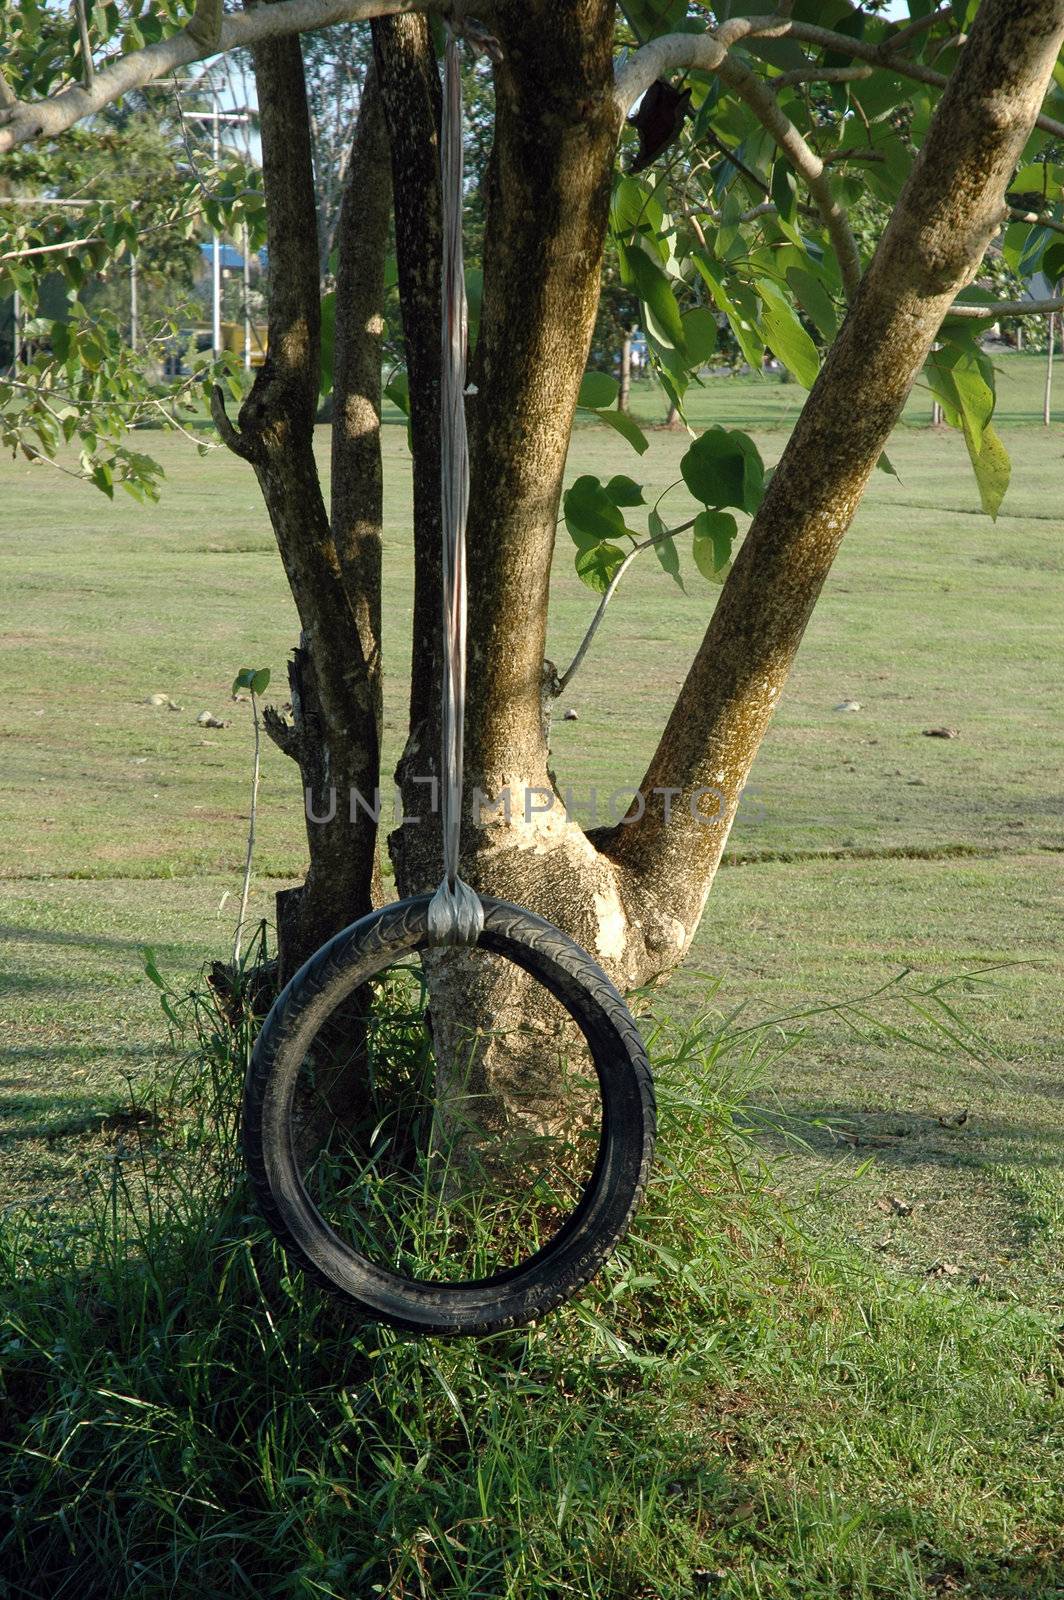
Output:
(728, 1411)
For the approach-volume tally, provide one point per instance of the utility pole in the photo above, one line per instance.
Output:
(216, 118)
(625, 390)
(134, 307)
(1047, 402)
(216, 250)
(247, 300)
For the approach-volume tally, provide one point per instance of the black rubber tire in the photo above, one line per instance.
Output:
(577, 1249)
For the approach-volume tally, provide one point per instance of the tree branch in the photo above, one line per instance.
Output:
(709, 53)
(1035, 217)
(1007, 308)
(206, 24)
(885, 55)
(562, 683)
(948, 211)
(815, 74)
(673, 52)
(285, 735)
(23, 121)
(88, 70)
(332, 697)
(357, 488)
(913, 30)
(806, 163)
(231, 437)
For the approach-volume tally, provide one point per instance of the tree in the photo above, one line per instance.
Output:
(795, 119)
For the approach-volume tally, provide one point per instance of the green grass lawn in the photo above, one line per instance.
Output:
(926, 1165)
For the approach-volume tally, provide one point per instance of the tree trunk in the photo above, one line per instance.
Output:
(1047, 399)
(632, 893)
(547, 205)
(946, 215)
(624, 394)
(335, 676)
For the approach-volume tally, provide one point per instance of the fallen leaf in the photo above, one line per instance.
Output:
(943, 1269)
(942, 733)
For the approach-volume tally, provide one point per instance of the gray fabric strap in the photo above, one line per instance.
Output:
(456, 915)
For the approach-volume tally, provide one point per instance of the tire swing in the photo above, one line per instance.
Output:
(367, 1202)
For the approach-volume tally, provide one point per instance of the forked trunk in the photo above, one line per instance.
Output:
(632, 894)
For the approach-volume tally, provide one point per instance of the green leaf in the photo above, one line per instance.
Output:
(675, 387)
(962, 378)
(886, 465)
(785, 336)
(648, 18)
(61, 340)
(992, 470)
(622, 423)
(661, 312)
(261, 681)
(633, 206)
(665, 549)
(714, 535)
(1040, 177)
(741, 325)
(590, 515)
(699, 335)
(397, 390)
(1037, 242)
(783, 189)
(729, 240)
(597, 563)
(597, 391)
(624, 491)
(150, 969)
(243, 679)
(724, 468)
(814, 300)
(878, 95)
(1013, 241)
(1053, 262)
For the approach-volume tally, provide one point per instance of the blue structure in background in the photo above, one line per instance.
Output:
(231, 258)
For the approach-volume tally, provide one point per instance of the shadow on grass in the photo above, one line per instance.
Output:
(908, 1139)
(16, 933)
